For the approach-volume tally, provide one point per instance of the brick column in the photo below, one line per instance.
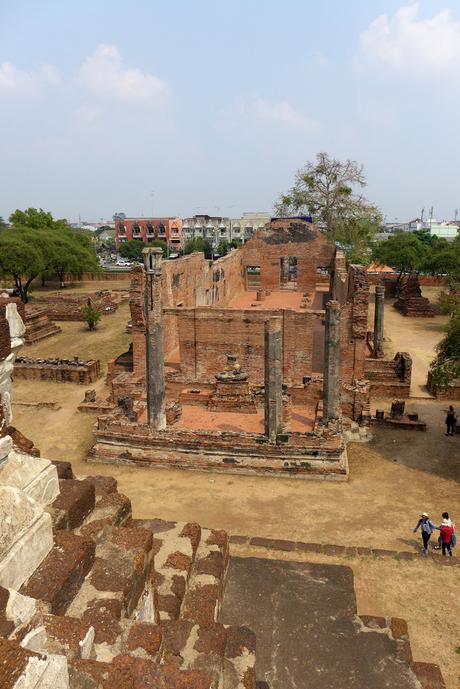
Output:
(378, 320)
(153, 306)
(331, 384)
(273, 377)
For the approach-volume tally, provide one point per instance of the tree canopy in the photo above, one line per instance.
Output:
(38, 245)
(402, 251)
(36, 219)
(132, 249)
(446, 366)
(199, 244)
(329, 191)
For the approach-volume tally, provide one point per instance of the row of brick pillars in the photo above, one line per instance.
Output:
(273, 334)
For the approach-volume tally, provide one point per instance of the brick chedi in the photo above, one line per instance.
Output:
(38, 325)
(411, 302)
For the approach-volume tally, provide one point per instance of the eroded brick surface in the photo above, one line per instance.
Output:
(60, 575)
(75, 501)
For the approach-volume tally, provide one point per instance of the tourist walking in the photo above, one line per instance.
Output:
(447, 532)
(445, 515)
(427, 528)
(451, 420)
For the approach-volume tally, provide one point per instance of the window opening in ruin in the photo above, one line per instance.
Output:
(288, 272)
(252, 277)
(322, 270)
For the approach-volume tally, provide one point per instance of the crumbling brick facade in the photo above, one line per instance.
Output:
(58, 370)
(68, 307)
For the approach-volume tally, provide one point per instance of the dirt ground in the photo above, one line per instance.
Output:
(392, 479)
(421, 592)
(418, 336)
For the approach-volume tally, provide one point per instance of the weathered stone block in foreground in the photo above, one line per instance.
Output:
(25, 536)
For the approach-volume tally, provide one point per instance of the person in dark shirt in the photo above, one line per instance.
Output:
(427, 529)
(451, 420)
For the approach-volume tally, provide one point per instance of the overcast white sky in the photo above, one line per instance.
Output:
(213, 105)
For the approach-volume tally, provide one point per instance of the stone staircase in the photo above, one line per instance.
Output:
(131, 604)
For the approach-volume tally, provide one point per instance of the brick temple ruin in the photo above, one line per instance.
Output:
(293, 320)
(92, 598)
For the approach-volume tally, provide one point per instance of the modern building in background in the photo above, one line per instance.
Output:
(220, 228)
(146, 230)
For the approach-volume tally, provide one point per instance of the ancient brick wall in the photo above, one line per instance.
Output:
(425, 280)
(187, 282)
(288, 238)
(58, 370)
(207, 335)
(389, 378)
(67, 307)
(351, 290)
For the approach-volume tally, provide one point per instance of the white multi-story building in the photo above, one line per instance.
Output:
(219, 228)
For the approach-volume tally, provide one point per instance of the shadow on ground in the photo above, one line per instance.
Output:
(432, 451)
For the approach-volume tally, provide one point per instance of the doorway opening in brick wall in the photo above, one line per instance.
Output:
(252, 277)
(288, 272)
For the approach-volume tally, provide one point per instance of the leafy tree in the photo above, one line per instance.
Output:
(325, 190)
(37, 219)
(108, 244)
(132, 249)
(22, 257)
(222, 248)
(199, 244)
(3, 225)
(445, 260)
(57, 248)
(446, 366)
(402, 251)
(235, 243)
(70, 253)
(91, 315)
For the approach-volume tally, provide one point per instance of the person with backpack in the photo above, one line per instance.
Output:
(445, 515)
(447, 532)
(451, 420)
(427, 528)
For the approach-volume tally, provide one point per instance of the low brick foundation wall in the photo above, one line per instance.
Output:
(68, 307)
(58, 370)
(320, 454)
(389, 378)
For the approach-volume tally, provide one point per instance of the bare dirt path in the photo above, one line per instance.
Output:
(418, 336)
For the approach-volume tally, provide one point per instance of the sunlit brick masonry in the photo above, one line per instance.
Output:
(92, 598)
(292, 317)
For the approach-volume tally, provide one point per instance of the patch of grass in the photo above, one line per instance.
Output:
(457, 650)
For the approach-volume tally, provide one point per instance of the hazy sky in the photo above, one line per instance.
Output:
(213, 105)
